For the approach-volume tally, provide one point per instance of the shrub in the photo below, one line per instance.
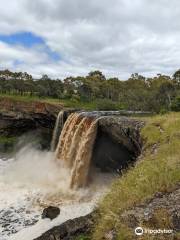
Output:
(163, 111)
(106, 104)
(176, 104)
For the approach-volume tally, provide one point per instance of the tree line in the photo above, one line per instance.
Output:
(157, 94)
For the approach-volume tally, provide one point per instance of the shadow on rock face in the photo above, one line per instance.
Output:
(109, 155)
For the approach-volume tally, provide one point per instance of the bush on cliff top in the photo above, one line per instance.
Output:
(157, 171)
(107, 105)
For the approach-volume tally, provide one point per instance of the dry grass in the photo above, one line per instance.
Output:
(157, 171)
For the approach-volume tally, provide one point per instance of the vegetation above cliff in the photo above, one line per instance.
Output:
(97, 104)
(157, 171)
(158, 94)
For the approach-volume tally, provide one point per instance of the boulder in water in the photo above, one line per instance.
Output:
(50, 212)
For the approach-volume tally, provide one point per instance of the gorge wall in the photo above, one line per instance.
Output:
(21, 117)
(17, 117)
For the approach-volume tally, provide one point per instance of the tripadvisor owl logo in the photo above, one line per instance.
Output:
(139, 231)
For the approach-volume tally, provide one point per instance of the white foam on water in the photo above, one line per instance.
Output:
(31, 181)
(67, 212)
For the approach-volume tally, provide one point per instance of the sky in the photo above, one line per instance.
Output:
(64, 38)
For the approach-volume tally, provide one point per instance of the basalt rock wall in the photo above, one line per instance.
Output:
(17, 117)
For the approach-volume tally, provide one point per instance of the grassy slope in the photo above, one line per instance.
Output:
(65, 102)
(157, 171)
(68, 103)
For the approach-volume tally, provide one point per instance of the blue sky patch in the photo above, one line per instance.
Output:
(29, 40)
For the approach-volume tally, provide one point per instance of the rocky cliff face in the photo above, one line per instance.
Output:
(21, 117)
(17, 117)
(123, 130)
(118, 143)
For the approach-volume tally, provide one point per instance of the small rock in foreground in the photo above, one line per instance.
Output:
(50, 212)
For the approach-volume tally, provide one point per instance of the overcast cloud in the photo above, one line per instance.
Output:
(118, 37)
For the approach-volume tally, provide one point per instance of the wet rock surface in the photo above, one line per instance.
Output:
(50, 212)
(70, 229)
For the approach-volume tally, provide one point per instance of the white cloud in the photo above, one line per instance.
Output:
(118, 37)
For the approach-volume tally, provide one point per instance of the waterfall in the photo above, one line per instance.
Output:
(76, 145)
(57, 129)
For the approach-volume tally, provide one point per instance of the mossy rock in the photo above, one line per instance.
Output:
(7, 143)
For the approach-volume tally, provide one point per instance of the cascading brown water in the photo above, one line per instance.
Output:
(76, 145)
(112, 150)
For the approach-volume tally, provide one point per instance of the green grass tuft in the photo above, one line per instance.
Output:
(82, 237)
